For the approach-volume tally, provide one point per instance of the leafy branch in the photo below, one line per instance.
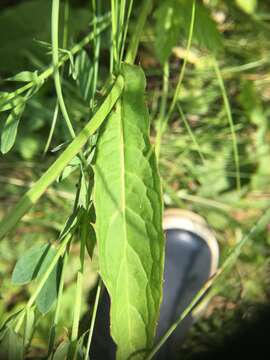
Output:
(32, 195)
(103, 23)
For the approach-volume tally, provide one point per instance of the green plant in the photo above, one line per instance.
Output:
(118, 193)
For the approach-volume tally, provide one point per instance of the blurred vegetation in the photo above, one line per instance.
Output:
(198, 175)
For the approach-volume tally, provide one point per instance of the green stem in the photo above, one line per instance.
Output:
(93, 319)
(55, 116)
(231, 123)
(114, 31)
(96, 10)
(66, 19)
(189, 130)
(121, 25)
(134, 42)
(37, 190)
(125, 30)
(163, 103)
(56, 110)
(55, 57)
(77, 307)
(78, 296)
(179, 83)
(58, 305)
(182, 72)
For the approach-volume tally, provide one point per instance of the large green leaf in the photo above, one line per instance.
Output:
(129, 220)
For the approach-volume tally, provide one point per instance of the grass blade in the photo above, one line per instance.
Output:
(231, 123)
(163, 122)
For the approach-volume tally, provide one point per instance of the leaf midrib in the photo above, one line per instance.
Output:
(123, 203)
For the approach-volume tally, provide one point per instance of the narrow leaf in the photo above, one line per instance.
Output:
(90, 240)
(128, 205)
(72, 166)
(32, 263)
(84, 71)
(24, 76)
(9, 132)
(61, 351)
(83, 195)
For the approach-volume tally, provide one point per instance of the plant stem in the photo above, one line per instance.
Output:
(182, 72)
(96, 43)
(163, 103)
(189, 130)
(66, 19)
(55, 115)
(231, 123)
(37, 190)
(56, 110)
(55, 57)
(93, 319)
(125, 30)
(135, 39)
(78, 296)
(114, 31)
(179, 83)
(58, 305)
(77, 307)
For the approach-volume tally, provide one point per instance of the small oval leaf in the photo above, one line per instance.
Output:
(32, 263)
(9, 131)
